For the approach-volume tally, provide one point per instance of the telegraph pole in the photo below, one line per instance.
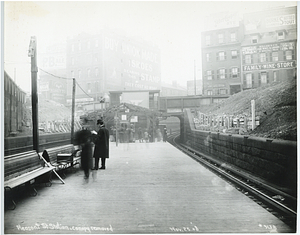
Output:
(34, 96)
(73, 111)
(195, 77)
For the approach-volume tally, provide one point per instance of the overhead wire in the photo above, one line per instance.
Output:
(67, 79)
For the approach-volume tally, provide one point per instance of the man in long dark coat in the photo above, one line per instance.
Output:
(101, 145)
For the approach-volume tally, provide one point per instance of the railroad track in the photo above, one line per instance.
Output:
(277, 202)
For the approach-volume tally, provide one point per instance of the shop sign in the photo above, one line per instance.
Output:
(281, 20)
(277, 65)
(285, 46)
(249, 50)
(268, 47)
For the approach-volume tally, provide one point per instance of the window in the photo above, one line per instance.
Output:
(89, 87)
(275, 56)
(209, 75)
(97, 72)
(79, 46)
(263, 77)
(79, 74)
(207, 40)
(234, 54)
(89, 73)
(221, 55)
(288, 55)
(72, 74)
(209, 92)
(254, 39)
(223, 91)
(221, 38)
(262, 57)
(96, 43)
(208, 59)
(234, 72)
(280, 36)
(233, 37)
(222, 73)
(89, 45)
(72, 47)
(248, 59)
(72, 61)
(275, 76)
(248, 80)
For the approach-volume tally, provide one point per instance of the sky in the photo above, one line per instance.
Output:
(174, 26)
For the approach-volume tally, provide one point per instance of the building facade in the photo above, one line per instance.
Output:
(109, 61)
(52, 61)
(221, 62)
(259, 50)
(269, 46)
(14, 107)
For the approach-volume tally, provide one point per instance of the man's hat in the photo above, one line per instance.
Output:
(99, 121)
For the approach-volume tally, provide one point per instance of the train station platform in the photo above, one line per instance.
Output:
(146, 188)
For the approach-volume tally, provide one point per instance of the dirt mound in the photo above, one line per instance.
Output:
(275, 103)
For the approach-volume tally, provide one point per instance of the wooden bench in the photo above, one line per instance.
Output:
(23, 169)
(62, 157)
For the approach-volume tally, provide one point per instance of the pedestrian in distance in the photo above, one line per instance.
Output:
(140, 134)
(165, 134)
(101, 140)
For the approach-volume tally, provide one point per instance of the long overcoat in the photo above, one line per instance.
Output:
(102, 143)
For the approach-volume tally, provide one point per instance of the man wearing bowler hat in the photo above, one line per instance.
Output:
(101, 145)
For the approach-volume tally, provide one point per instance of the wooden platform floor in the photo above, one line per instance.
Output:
(146, 188)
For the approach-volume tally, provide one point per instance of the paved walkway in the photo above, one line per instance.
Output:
(146, 188)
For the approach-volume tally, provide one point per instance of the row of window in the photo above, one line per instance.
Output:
(269, 57)
(89, 73)
(221, 39)
(222, 91)
(223, 73)
(263, 78)
(222, 55)
(88, 45)
(249, 58)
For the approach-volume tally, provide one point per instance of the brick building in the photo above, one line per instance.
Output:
(260, 49)
(221, 63)
(108, 61)
(269, 46)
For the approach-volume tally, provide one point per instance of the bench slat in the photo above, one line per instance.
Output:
(22, 179)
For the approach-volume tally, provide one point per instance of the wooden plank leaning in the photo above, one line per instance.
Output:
(48, 164)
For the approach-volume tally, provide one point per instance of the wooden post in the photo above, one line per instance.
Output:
(34, 96)
(253, 113)
(73, 111)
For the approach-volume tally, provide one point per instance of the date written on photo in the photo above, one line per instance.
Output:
(185, 229)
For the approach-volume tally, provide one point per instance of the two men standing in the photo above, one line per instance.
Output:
(101, 141)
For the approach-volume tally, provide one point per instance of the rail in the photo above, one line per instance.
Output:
(279, 203)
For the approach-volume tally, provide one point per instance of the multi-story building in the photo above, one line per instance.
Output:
(221, 63)
(52, 83)
(173, 89)
(14, 107)
(109, 61)
(269, 46)
(261, 49)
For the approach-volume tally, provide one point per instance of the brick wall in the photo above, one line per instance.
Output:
(274, 161)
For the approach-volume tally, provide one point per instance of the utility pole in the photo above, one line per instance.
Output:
(34, 96)
(73, 111)
(195, 77)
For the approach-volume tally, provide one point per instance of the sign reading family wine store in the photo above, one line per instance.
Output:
(277, 65)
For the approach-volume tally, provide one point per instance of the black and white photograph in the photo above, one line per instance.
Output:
(149, 117)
